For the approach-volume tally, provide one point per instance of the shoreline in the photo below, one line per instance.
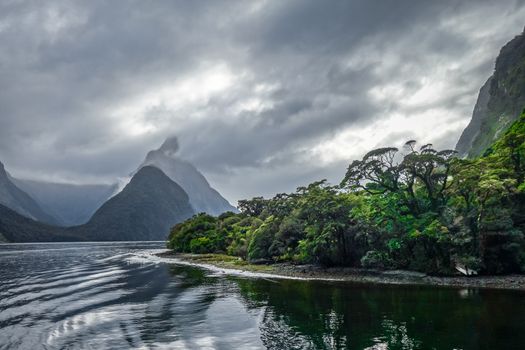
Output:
(235, 266)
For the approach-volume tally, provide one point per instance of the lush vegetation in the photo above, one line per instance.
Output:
(416, 208)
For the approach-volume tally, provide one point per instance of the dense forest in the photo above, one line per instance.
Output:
(417, 208)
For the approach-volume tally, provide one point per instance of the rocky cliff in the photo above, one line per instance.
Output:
(500, 100)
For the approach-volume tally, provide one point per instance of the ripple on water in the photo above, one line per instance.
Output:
(120, 296)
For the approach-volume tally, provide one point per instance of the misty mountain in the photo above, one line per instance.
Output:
(163, 192)
(146, 209)
(16, 199)
(70, 204)
(500, 100)
(203, 198)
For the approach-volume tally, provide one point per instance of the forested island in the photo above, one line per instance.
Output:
(415, 208)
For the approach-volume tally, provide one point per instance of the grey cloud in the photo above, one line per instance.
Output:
(65, 66)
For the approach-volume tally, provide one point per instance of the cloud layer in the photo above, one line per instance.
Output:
(263, 96)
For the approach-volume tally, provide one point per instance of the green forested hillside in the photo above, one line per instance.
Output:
(17, 228)
(144, 210)
(428, 212)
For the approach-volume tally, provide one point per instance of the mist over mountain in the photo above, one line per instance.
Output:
(145, 209)
(500, 100)
(167, 189)
(16, 199)
(203, 198)
(73, 205)
(164, 191)
(70, 204)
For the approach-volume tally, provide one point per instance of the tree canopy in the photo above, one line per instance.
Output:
(416, 208)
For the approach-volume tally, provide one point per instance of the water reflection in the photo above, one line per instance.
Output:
(335, 316)
(101, 296)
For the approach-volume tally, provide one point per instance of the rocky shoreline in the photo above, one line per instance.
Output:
(234, 265)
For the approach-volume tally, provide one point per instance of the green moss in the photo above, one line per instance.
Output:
(227, 261)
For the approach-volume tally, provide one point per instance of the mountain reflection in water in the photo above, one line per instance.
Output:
(100, 295)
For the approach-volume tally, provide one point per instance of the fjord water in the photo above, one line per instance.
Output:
(111, 295)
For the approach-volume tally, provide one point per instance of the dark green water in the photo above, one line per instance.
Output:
(109, 296)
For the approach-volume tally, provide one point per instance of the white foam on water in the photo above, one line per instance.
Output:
(151, 256)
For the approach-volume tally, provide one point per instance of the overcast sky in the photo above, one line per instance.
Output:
(263, 96)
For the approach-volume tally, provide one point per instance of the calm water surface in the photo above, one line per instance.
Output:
(108, 296)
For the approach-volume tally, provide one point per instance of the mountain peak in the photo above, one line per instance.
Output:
(202, 196)
(170, 146)
(146, 209)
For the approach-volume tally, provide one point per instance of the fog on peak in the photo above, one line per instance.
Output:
(170, 146)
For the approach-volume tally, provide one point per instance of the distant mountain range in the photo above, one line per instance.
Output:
(144, 210)
(500, 102)
(163, 191)
(69, 204)
(13, 197)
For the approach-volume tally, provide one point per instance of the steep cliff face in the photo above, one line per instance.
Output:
(203, 197)
(14, 198)
(500, 100)
(471, 132)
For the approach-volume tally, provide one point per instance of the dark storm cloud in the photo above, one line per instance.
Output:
(63, 63)
(264, 96)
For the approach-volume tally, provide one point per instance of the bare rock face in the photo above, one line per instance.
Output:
(472, 130)
(203, 198)
(500, 102)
